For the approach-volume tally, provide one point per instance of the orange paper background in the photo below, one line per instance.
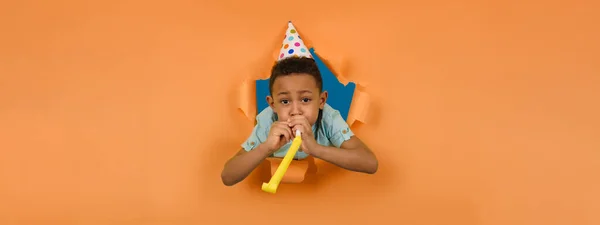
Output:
(124, 112)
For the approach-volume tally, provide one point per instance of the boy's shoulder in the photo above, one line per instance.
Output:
(331, 115)
(330, 111)
(265, 117)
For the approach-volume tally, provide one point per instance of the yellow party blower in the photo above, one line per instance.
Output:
(271, 187)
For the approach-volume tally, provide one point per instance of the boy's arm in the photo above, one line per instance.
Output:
(352, 155)
(241, 165)
(252, 154)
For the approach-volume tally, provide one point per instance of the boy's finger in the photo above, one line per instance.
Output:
(294, 131)
(306, 135)
(288, 133)
(279, 130)
(283, 126)
(300, 127)
(295, 122)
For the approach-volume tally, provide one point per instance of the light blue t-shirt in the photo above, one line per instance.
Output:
(333, 132)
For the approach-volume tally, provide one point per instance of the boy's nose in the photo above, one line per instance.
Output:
(295, 110)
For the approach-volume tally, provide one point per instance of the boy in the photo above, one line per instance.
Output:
(297, 102)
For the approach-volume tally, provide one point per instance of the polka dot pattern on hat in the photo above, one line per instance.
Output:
(292, 45)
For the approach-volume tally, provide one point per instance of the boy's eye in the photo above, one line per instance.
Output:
(305, 100)
(285, 102)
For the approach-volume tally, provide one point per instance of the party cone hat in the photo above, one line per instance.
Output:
(293, 46)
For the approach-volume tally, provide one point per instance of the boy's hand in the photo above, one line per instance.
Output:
(279, 135)
(308, 139)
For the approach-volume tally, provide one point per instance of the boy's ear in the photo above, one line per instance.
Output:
(270, 101)
(323, 99)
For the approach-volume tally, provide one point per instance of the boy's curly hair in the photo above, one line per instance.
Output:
(295, 65)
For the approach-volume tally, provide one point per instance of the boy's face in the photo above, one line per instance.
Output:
(296, 94)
